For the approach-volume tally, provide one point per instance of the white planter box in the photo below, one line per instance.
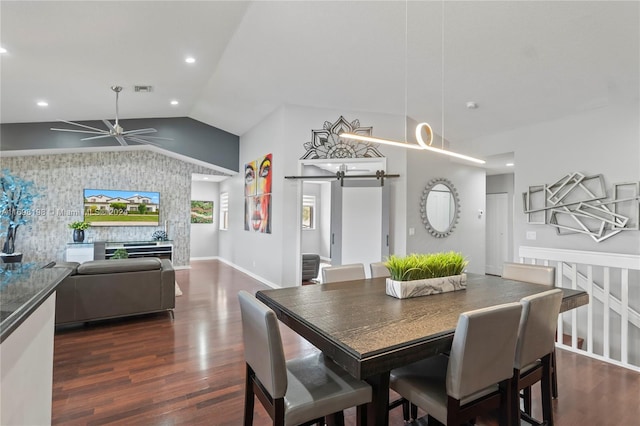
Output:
(406, 289)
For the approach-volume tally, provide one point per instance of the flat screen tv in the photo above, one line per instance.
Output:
(108, 207)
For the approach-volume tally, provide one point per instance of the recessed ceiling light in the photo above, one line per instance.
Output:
(3, 50)
(509, 164)
(174, 102)
(42, 104)
(206, 178)
(190, 60)
(472, 105)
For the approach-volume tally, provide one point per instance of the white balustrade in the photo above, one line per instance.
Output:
(610, 323)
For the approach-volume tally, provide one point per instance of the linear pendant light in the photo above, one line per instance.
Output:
(421, 143)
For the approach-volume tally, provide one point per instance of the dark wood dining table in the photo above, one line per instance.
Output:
(368, 333)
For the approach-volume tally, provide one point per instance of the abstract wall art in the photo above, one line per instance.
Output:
(257, 195)
(579, 204)
(201, 211)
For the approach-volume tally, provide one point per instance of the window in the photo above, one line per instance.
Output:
(224, 210)
(308, 212)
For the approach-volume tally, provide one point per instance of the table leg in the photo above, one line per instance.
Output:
(378, 409)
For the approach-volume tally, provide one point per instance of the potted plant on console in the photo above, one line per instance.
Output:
(78, 230)
(15, 210)
(425, 274)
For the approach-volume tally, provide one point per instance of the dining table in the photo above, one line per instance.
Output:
(369, 333)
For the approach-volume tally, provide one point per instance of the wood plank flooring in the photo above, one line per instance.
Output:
(155, 370)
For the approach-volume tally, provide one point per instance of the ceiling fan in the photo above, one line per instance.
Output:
(115, 130)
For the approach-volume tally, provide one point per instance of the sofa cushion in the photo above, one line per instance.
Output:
(113, 266)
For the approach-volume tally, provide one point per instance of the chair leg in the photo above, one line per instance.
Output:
(248, 397)
(361, 415)
(527, 400)
(546, 390)
(405, 410)
(335, 419)
(414, 411)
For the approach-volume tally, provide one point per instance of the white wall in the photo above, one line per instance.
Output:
(204, 236)
(602, 141)
(274, 257)
(468, 236)
(256, 253)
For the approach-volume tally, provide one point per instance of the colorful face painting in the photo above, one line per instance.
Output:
(264, 175)
(250, 179)
(257, 189)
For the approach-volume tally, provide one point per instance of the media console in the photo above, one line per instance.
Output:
(82, 252)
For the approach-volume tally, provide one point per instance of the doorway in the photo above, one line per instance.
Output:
(497, 229)
(341, 220)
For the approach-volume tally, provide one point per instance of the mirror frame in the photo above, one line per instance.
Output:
(423, 207)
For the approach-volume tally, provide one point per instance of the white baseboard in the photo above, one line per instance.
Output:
(251, 274)
(204, 258)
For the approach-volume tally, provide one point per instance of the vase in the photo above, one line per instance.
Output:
(78, 235)
(415, 288)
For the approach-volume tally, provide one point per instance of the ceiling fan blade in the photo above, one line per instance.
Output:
(139, 131)
(101, 132)
(105, 135)
(137, 139)
(153, 137)
(110, 126)
(80, 125)
(121, 140)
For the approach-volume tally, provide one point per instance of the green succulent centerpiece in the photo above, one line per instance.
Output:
(423, 274)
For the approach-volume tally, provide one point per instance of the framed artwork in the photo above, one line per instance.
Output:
(257, 192)
(201, 211)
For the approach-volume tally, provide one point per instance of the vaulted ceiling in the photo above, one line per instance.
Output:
(521, 62)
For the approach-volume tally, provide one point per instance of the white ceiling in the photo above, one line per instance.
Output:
(522, 62)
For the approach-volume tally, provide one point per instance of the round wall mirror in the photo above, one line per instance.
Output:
(440, 207)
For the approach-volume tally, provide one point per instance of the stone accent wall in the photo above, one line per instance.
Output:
(63, 177)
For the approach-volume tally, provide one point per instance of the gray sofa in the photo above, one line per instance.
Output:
(101, 289)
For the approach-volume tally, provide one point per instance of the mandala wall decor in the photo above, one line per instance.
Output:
(326, 143)
(578, 204)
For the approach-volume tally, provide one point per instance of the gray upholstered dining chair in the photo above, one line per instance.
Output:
(353, 271)
(535, 347)
(536, 274)
(294, 392)
(379, 269)
(474, 378)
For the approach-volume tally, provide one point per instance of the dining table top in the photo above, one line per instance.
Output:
(368, 332)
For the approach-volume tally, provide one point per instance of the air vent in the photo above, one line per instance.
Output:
(144, 89)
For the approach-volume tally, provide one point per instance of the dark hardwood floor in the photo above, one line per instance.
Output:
(155, 370)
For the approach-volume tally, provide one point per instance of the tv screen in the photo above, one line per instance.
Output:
(108, 207)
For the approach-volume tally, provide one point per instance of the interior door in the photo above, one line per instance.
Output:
(359, 222)
(497, 227)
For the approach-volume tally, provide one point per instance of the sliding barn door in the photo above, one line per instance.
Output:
(359, 222)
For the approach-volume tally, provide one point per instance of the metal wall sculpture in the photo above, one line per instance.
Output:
(578, 204)
(326, 142)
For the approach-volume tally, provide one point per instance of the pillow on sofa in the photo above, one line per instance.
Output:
(113, 266)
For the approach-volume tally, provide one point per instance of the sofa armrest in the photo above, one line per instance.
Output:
(168, 278)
